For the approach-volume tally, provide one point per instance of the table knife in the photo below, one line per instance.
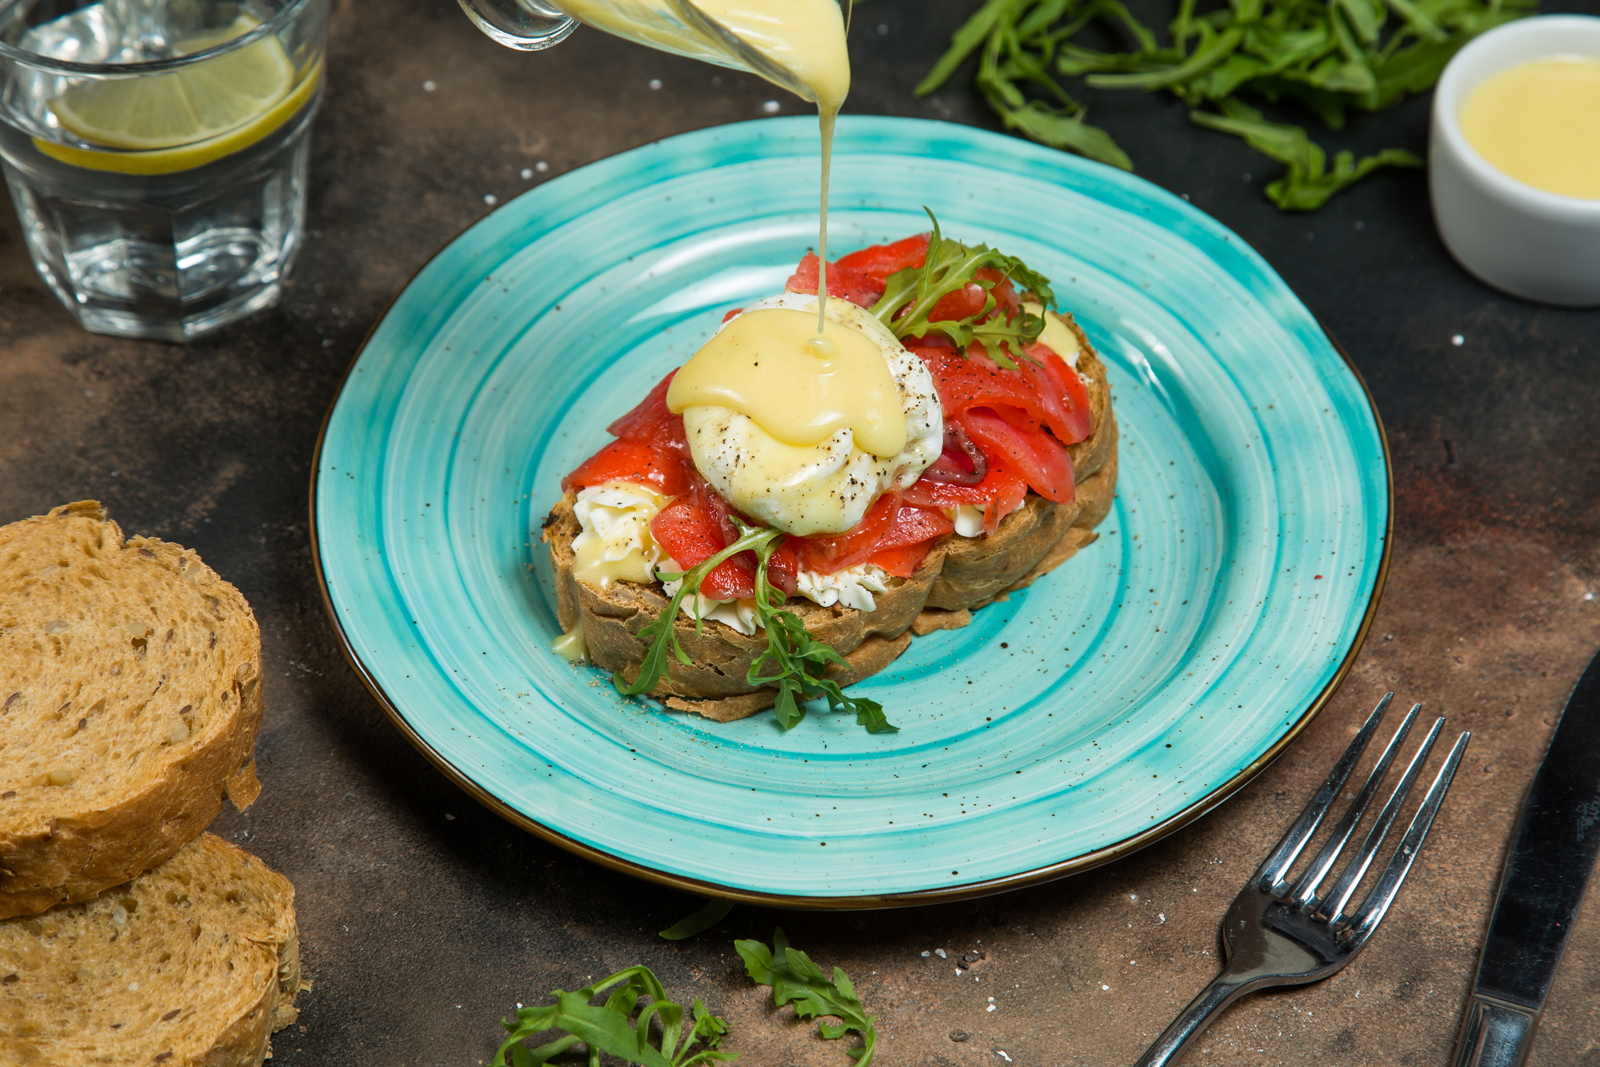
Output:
(1547, 869)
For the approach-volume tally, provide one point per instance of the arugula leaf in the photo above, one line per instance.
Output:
(610, 1027)
(661, 635)
(1326, 56)
(966, 39)
(798, 659)
(698, 923)
(951, 266)
(794, 978)
(1309, 183)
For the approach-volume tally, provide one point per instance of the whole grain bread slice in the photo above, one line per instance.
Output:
(959, 575)
(612, 618)
(130, 698)
(193, 964)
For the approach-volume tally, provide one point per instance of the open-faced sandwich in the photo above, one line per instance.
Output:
(779, 516)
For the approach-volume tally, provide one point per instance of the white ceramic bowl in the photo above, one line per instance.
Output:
(1525, 241)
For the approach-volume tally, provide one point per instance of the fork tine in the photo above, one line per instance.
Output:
(1288, 850)
(1305, 890)
(1377, 903)
(1333, 907)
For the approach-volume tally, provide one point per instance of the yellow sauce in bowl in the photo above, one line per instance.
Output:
(1539, 122)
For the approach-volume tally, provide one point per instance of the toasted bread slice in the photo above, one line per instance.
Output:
(959, 575)
(612, 619)
(193, 964)
(130, 698)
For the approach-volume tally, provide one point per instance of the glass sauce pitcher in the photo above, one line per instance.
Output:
(676, 26)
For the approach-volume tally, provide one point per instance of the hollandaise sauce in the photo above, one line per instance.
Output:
(797, 385)
(804, 37)
(1539, 122)
(800, 430)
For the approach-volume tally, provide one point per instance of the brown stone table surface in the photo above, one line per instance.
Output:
(425, 917)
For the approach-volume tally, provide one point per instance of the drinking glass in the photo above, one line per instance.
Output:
(156, 152)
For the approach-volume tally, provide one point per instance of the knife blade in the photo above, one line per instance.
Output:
(1546, 872)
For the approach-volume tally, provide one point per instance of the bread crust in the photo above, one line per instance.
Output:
(959, 575)
(61, 843)
(722, 656)
(195, 963)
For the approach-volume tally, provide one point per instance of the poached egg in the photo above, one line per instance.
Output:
(801, 430)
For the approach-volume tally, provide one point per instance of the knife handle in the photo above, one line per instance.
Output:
(1494, 1033)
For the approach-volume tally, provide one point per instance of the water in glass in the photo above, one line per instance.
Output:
(156, 151)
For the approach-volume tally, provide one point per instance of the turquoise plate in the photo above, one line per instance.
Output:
(1125, 695)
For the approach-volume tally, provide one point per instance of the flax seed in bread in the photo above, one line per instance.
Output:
(130, 697)
(193, 964)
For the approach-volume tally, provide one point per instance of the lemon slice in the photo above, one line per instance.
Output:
(179, 107)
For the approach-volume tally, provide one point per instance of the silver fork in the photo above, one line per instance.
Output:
(1283, 933)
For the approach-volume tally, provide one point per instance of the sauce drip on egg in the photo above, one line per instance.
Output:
(801, 388)
(804, 430)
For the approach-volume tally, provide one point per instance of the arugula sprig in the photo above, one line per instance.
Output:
(797, 661)
(951, 266)
(702, 920)
(794, 978)
(661, 635)
(611, 1028)
(1331, 57)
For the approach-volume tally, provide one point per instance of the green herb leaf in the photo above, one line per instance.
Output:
(1214, 48)
(660, 634)
(610, 1027)
(1060, 128)
(964, 41)
(795, 979)
(1309, 183)
(704, 919)
(798, 661)
(951, 266)
(1326, 56)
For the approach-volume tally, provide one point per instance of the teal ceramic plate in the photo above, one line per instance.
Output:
(1121, 697)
